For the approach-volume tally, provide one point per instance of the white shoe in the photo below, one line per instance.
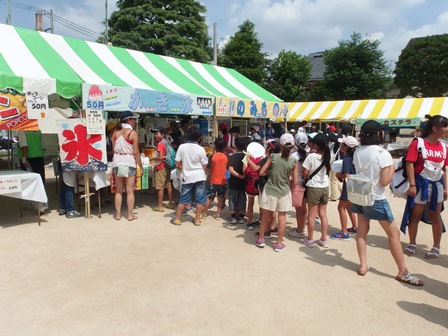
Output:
(295, 234)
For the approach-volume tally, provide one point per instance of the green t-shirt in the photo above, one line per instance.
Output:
(278, 182)
(35, 150)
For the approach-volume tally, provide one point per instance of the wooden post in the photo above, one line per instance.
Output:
(87, 194)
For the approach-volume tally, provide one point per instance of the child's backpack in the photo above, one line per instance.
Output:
(252, 178)
(170, 161)
(399, 185)
(360, 188)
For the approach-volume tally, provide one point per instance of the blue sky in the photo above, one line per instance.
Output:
(304, 26)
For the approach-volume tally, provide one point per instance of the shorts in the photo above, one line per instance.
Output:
(418, 197)
(237, 200)
(380, 210)
(162, 178)
(214, 189)
(132, 171)
(196, 188)
(273, 203)
(316, 195)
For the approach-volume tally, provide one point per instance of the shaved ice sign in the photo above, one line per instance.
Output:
(80, 151)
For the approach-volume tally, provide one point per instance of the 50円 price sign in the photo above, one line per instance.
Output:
(10, 185)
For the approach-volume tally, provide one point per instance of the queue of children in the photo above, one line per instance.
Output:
(304, 160)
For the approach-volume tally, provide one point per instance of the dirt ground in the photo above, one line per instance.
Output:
(100, 276)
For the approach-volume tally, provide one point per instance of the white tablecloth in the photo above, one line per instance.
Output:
(100, 179)
(32, 187)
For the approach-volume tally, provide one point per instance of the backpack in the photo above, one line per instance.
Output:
(333, 155)
(360, 188)
(399, 184)
(170, 161)
(252, 178)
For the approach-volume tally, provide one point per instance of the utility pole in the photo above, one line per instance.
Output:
(215, 44)
(106, 28)
(51, 22)
(8, 17)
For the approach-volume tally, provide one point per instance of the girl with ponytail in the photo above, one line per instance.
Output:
(276, 195)
(316, 169)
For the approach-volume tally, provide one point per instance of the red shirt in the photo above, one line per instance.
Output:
(434, 153)
(161, 149)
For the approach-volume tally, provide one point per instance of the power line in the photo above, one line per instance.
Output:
(64, 22)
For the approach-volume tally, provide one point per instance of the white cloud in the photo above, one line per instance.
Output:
(307, 26)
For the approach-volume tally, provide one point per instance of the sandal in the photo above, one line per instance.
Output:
(157, 209)
(196, 223)
(130, 219)
(175, 222)
(410, 279)
(410, 249)
(167, 206)
(216, 217)
(433, 253)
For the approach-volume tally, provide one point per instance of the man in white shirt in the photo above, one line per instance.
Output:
(192, 160)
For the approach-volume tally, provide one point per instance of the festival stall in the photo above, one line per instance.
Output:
(34, 65)
(384, 109)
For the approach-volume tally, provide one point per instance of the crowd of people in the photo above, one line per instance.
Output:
(292, 159)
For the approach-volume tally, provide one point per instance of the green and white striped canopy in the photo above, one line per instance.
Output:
(62, 64)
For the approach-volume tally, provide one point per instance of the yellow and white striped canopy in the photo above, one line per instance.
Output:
(368, 109)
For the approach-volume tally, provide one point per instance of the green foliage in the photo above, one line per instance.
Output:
(288, 75)
(243, 53)
(422, 68)
(173, 28)
(355, 69)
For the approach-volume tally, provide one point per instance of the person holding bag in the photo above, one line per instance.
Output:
(380, 168)
(125, 161)
(316, 169)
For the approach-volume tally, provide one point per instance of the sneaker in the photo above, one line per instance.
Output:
(340, 236)
(241, 220)
(321, 243)
(232, 220)
(62, 212)
(317, 221)
(260, 243)
(72, 214)
(274, 231)
(279, 247)
(295, 234)
(251, 226)
(256, 223)
(266, 234)
(309, 243)
(352, 230)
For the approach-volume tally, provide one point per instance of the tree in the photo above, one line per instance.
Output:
(422, 68)
(288, 75)
(243, 53)
(173, 28)
(356, 69)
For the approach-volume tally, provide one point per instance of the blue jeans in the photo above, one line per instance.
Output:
(380, 210)
(198, 189)
(66, 198)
